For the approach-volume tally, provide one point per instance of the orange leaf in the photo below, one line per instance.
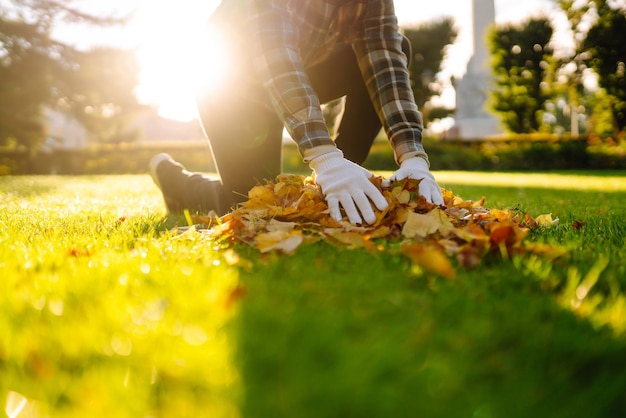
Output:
(236, 294)
(530, 222)
(501, 215)
(282, 215)
(80, 252)
(508, 234)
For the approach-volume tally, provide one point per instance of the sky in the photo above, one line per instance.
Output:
(163, 32)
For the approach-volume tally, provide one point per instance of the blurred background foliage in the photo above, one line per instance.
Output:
(512, 153)
(38, 72)
(580, 94)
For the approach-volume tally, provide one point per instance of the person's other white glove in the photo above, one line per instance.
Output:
(417, 168)
(347, 184)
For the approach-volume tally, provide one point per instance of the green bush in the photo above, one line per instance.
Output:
(106, 159)
(526, 154)
(507, 154)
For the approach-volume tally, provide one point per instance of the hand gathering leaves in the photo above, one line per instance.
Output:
(290, 212)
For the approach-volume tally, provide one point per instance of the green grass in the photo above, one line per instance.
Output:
(105, 313)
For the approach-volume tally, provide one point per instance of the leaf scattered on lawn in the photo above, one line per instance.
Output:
(285, 214)
(80, 252)
(423, 225)
(430, 257)
(547, 220)
(284, 241)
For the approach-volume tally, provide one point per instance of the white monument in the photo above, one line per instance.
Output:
(472, 120)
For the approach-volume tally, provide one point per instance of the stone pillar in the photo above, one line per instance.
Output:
(472, 120)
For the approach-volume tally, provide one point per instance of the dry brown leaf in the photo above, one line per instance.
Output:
(469, 256)
(282, 215)
(530, 222)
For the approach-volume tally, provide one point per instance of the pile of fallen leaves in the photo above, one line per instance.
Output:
(287, 213)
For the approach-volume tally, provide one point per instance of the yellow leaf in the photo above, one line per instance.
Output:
(545, 250)
(351, 239)
(430, 258)
(501, 215)
(471, 233)
(275, 225)
(231, 257)
(286, 242)
(546, 220)
(478, 204)
(403, 196)
(380, 232)
(284, 214)
(424, 225)
(418, 225)
(259, 196)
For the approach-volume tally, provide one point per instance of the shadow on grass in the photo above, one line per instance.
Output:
(350, 333)
(334, 332)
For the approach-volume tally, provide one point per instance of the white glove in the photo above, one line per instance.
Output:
(347, 184)
(417, 168)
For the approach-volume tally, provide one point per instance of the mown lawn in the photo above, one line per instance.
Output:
(103, 312)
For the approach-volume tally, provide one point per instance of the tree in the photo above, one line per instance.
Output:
(607, 57)
(598, 29)
(38, 71)
(520, 61)
(26, 70)
(98, 92)
(429, 42)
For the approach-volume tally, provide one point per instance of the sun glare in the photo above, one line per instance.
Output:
(174, 63)
(170, 54)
